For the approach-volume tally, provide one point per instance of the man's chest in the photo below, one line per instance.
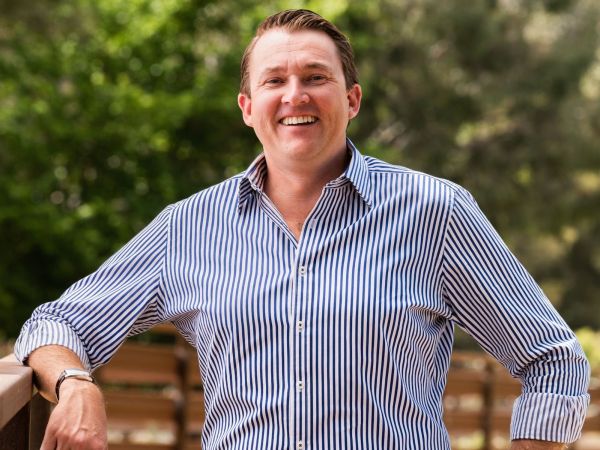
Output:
(352, 265)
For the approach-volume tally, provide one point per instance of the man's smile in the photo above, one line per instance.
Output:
(298, 120)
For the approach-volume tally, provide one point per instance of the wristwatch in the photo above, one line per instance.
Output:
(78, 374)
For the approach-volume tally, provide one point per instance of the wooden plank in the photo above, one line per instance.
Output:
(40, 413)
(195, 412)
(504, 385)
(137, 364)
(193, 443)
(193, 374)
(503, 389)
(14, 434)
(461, 421)
(131, 409)
(500, 423)
(471, 421)
(592, 423)
(465, 381)
(16, 388)
(469, 358)
(165, 328)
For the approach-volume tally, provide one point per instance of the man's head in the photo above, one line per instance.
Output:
(298, 94)
(300, 20)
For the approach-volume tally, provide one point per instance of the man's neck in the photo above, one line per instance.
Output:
(302, 180)
(296, 188)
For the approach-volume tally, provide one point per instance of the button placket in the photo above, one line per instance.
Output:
(302, 283)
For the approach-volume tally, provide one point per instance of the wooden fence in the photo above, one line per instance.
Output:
(154, 400)
(23, 412)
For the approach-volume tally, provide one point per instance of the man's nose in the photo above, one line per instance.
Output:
(295, 93)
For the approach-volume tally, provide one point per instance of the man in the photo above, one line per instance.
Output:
(319, 286)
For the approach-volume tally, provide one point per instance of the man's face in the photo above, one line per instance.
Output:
(298, 105)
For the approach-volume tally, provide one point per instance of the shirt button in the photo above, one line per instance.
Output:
(300, 386)
(300, 445)
(302, 270)
(300, 326)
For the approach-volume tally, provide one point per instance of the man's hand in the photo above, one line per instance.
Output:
(526, 444)
(78, 422)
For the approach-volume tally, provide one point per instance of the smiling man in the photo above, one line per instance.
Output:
(298, 101)
(320, 287)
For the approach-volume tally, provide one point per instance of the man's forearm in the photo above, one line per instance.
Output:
(47, 363)
(79, 419)
(528, 444)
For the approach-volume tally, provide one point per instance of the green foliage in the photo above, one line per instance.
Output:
(501, 97)
(111, 109)
(590, 341)
(109, 112)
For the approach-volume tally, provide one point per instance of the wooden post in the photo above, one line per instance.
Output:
(39, 414)
(15, 434)
(488, 405)
(16, 387)
(181, 418)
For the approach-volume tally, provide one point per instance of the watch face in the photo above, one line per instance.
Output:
(76, 372)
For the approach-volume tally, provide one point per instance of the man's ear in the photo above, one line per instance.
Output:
(245, 104)
(354, 98)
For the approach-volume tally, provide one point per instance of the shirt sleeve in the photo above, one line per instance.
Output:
(494, 299)
(96, 314)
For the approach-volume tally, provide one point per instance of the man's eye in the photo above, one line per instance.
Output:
(317, 78)
(273, 81)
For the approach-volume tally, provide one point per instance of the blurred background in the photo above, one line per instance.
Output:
(111, 109)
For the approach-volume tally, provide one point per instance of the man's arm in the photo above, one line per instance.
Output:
(497, 302)
(525, 444)
(79, 419)
(85, 327)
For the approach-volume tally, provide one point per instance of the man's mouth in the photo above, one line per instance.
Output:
(298, 120)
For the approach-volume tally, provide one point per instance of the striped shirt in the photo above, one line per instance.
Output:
(342, 339)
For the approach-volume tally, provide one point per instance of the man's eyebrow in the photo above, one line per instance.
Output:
(319, 66)
(312, 66)
(271, 69)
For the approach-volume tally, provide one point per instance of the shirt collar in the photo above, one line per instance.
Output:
(357, 173)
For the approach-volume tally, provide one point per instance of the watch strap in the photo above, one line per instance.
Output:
(78, 374)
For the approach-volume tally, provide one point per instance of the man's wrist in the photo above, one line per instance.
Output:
(72, 388)
(75, 374)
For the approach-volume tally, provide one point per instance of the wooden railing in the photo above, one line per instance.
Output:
(23, 412)
(154, 400)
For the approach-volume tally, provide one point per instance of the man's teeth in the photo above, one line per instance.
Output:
(298, 120)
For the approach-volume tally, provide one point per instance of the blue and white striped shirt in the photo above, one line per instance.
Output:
(342, 339)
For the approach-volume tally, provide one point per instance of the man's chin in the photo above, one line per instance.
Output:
(298, 145)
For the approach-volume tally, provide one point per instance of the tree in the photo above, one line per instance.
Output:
(111, 109)
(502, 98)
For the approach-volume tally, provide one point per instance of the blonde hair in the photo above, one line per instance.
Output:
(299, 20)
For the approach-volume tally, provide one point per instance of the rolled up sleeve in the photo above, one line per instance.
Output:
(96, 314)
(495, 300)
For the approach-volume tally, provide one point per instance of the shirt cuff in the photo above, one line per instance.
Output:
(549, 417)
(44, 332)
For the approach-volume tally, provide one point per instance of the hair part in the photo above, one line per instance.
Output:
(300, 20)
